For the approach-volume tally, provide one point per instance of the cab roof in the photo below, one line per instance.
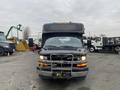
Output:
(1, 32)
(63, 27)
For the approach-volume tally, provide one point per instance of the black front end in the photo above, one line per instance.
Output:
(62, 65)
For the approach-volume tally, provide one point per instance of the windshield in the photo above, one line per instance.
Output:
(2, 38)
(64, 42)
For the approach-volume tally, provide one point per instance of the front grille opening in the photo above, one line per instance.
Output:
(62, 57)
(65, 57)
(61, 65)
(62, 71)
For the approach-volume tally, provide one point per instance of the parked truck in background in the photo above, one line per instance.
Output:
(6, 47)
(105, 44)
(62, 53)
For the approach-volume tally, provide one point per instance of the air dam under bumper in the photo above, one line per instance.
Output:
(49, 74)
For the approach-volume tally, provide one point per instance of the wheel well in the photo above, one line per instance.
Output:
(91, 46)
(2, 53)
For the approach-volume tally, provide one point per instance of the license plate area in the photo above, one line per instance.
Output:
(61, 74)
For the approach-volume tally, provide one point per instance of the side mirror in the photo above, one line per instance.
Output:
(85, 47)
(96, 41)
(39, 50)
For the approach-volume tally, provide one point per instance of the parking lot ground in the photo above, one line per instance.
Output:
(18, 72)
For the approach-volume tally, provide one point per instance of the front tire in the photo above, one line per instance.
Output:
(11, 53)
(117, 49)
(1, 51)
(84, 77)
(92, 49)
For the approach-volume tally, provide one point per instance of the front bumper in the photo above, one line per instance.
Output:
(49, 74)
(8, 50)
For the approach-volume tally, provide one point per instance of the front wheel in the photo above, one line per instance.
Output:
(11, 53)
(91, 49)
(117, 49)
(1, 51)
(83, 77)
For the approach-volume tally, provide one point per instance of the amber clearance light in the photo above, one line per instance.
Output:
(42, 64)
(82, 65)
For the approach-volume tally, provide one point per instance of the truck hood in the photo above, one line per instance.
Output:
(7, 41)
(80, 51)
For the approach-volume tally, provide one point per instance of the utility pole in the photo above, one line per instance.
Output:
(89, 34)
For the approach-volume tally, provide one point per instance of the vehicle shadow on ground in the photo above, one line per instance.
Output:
(6, 55)
(105, 52)
(62, 84)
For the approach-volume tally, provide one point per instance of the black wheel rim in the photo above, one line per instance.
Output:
(91, 49)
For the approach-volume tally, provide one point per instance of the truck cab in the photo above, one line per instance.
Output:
(5, 46)
(96, 44)
(62, 53)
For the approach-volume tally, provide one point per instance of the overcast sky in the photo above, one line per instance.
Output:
(99, 16)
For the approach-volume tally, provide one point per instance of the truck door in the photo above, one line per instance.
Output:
(98, 43)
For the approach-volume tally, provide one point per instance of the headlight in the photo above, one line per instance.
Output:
(6, 46)
(83, 58)
(41, 62)
(43, 57)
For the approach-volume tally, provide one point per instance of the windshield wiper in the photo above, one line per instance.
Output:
(50, 46)
(68, 47)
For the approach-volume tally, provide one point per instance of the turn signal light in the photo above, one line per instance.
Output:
(42, 64)
(82, 65)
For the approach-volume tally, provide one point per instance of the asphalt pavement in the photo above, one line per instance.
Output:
(18, 72)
